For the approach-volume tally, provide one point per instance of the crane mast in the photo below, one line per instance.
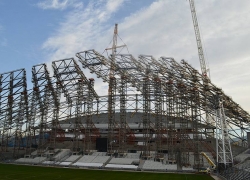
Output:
(198, 40)
(111, 93)
(224, 151)
(114, 49)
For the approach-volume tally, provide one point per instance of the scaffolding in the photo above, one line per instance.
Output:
(78, 91)
(155, 106)
(14, 104)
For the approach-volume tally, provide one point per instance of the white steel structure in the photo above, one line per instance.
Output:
(223, 148)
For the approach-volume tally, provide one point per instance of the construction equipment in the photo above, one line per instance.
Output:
(203, 63)
(224, 152)
(207, 170)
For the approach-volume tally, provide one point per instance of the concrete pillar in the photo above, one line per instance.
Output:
(179, 160)
(248, 139)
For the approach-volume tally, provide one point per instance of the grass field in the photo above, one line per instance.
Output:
(11, 172)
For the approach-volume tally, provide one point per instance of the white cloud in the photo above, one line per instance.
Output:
(59, 4)
(113, 5)
(80, 31)
(165, 29)
(159, 30)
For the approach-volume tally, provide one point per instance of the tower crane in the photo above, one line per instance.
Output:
(203, 63)
(224, 151)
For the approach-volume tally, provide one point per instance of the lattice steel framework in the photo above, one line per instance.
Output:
(171, 98)
(141, 82)
(46, 102)
(223, 147)
(123, 124)
(77, 89)
(187, 99)
(91, 132)
(119, 133)
(29, 130)
(14, 107)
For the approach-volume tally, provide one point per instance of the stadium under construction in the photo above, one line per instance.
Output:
(155, 110)
(159, 106)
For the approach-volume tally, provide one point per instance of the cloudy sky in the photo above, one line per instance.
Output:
(33, 32)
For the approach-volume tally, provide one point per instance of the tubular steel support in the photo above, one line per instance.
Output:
(224, 152)
(147, 135)
(77, 90)
(29, 133)
(160, 104)
(46, 98)
(13, 109)
(181, 104)
(91, 131)
(171, 133)
(158, 119)
(112, 128)
(123, 123)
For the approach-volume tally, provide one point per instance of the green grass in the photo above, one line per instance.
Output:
(11, 172)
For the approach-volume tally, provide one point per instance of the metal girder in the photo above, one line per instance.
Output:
(46, 101)
(179, 82)
(13, 92)
(91, 132)
(77, 89)
(138, 75)
(171, 97)
(115, 75)
(96, 63)
(177, 91)
(235, 115)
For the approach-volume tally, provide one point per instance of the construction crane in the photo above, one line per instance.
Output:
(224, 151)
(111, 93)
(203, 63)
